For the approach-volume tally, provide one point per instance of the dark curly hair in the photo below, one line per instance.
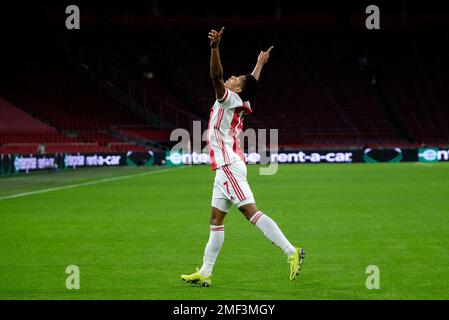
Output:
(249, 90)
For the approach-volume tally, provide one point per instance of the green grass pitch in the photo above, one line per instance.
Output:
(133, 237)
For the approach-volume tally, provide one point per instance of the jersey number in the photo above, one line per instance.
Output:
(226, 184)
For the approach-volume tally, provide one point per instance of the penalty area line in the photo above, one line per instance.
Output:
(89, 183)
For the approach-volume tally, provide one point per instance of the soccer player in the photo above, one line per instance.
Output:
(227, 159)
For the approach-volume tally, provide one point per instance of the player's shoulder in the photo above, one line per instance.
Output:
(230, 99)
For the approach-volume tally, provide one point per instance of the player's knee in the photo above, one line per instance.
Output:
(217, 217)
(216, 220)
(248, 210)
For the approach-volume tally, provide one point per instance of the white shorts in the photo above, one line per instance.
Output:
(231, 187)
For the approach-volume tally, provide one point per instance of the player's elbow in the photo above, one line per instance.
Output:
(215, 75)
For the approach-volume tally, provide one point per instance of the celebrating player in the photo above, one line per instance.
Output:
(227, 159)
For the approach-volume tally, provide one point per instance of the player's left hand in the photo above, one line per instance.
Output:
(215, 37)
(264, 55)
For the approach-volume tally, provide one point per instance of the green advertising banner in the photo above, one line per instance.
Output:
(173, 159)
(382, 155)
(428, 155)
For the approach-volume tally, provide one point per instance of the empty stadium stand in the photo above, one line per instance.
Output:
(73, 115)
(315, 90)
(417, 87)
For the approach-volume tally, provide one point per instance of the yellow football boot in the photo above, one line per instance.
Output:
(295, 262)
(197, 278)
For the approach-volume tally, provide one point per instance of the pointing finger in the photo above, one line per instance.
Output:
(269, 50)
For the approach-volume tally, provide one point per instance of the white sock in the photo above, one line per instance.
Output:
(271, 230)
(216, 239)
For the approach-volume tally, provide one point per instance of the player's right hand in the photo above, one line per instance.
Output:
(215, 37)
(264, 56)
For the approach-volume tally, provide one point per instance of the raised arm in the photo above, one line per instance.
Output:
(262, 59)
(216, 70)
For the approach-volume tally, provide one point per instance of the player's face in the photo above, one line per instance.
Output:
(235, 83)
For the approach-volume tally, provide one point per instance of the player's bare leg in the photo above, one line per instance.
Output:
(271, 230)
(217, 217)
(203, 276)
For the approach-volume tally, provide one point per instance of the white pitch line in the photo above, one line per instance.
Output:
(89, 183)
(424, 164)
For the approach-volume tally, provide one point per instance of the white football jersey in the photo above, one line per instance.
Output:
(225, 125)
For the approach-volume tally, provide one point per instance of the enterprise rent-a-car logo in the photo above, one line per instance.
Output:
(92, 160)
(295, 157)
(432, 155)
(283, 157)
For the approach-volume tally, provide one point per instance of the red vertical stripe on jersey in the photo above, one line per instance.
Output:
(218, 136)
(211, 151)
(235, 120)
(217, 132)
(235, 131)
